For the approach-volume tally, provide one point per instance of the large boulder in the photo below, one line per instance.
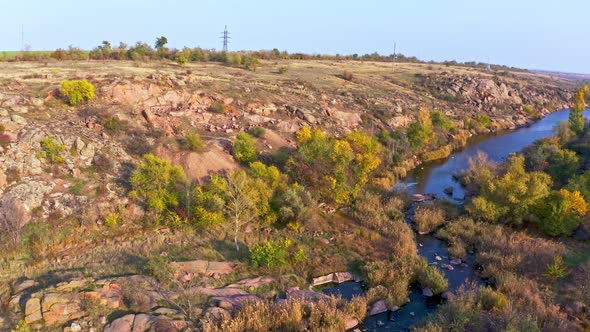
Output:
(59, 308)
(17, 203)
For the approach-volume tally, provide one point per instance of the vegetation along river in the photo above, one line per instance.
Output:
(433, 178)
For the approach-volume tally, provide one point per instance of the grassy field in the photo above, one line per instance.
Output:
(11, 55)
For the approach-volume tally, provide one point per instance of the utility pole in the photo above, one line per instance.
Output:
(225, 36)
(22, 37)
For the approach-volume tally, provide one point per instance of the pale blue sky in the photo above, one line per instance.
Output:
(541, 34)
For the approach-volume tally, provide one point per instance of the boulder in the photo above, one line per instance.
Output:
(59, 308)
(110, 295)
(4, 113)
(122, 324)
(427, 292)
(33, 310)
(378, 307)
(17, 204)
(295, 292)
(351, 323)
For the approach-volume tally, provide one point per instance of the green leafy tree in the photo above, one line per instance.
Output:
(580, 183)
(560, 213)
(161, 42)
(76, 91)
(244, 149)
(157, 183)
(563, 131)
(563, 165)
(576, 116)
(509, 196)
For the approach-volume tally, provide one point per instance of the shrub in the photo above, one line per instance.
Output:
(180, 59)
(52, 150)
(193, 141)
(557, 269)
(428, 217)
(282, 69)
(431, 277)
(291, 203)
(217, 108)
(257, 132)
(270, 253)
(76, 91)
(156, 182)
(492, 300)
(441, 121)
(483, 120)
(115, 124)
(112, 220)
(347, 76)
(244, 149)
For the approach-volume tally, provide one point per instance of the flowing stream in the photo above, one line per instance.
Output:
(433, 178)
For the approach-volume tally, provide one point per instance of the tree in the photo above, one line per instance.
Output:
(270, 253)
(161, 42)
(580, 183)
(560, 212)
(563, 165)
(510, 195)
(244, 149)
(557, 269)
(563, 131)
(240, 201)
(576, 116)
(157, 183)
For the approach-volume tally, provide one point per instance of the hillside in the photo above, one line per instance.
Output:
(57, 251)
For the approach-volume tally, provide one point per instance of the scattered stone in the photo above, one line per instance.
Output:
(447, 266)
(412, 314)
(456, 261)
(75, 327)
(378, 307)
(438, 258)
(427, 292)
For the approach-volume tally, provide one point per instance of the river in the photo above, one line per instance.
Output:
(434, 177)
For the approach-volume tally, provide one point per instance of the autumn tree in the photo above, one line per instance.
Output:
(509, 196)
(244, 149)
(335, 169)
(560, 212)
(576, 116)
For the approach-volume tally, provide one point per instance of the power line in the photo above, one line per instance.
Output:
(225, 36)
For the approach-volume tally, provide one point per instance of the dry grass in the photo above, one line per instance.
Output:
(429, 217)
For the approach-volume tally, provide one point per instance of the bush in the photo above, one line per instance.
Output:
(181, 59)
(193, 141)
(270, 253)
(115, 124)
(428, 217)
(217, 108)
(157, 183)
(420, 133)
(557, 269)
(244, 149)
(441, 121)
(282, 69)
(433, 278)
(52, 150)
(347, 76)
(257, 132)
(76, 91)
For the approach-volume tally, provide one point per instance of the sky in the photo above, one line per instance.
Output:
(533, 34)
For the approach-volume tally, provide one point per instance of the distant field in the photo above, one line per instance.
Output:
(11, 55)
